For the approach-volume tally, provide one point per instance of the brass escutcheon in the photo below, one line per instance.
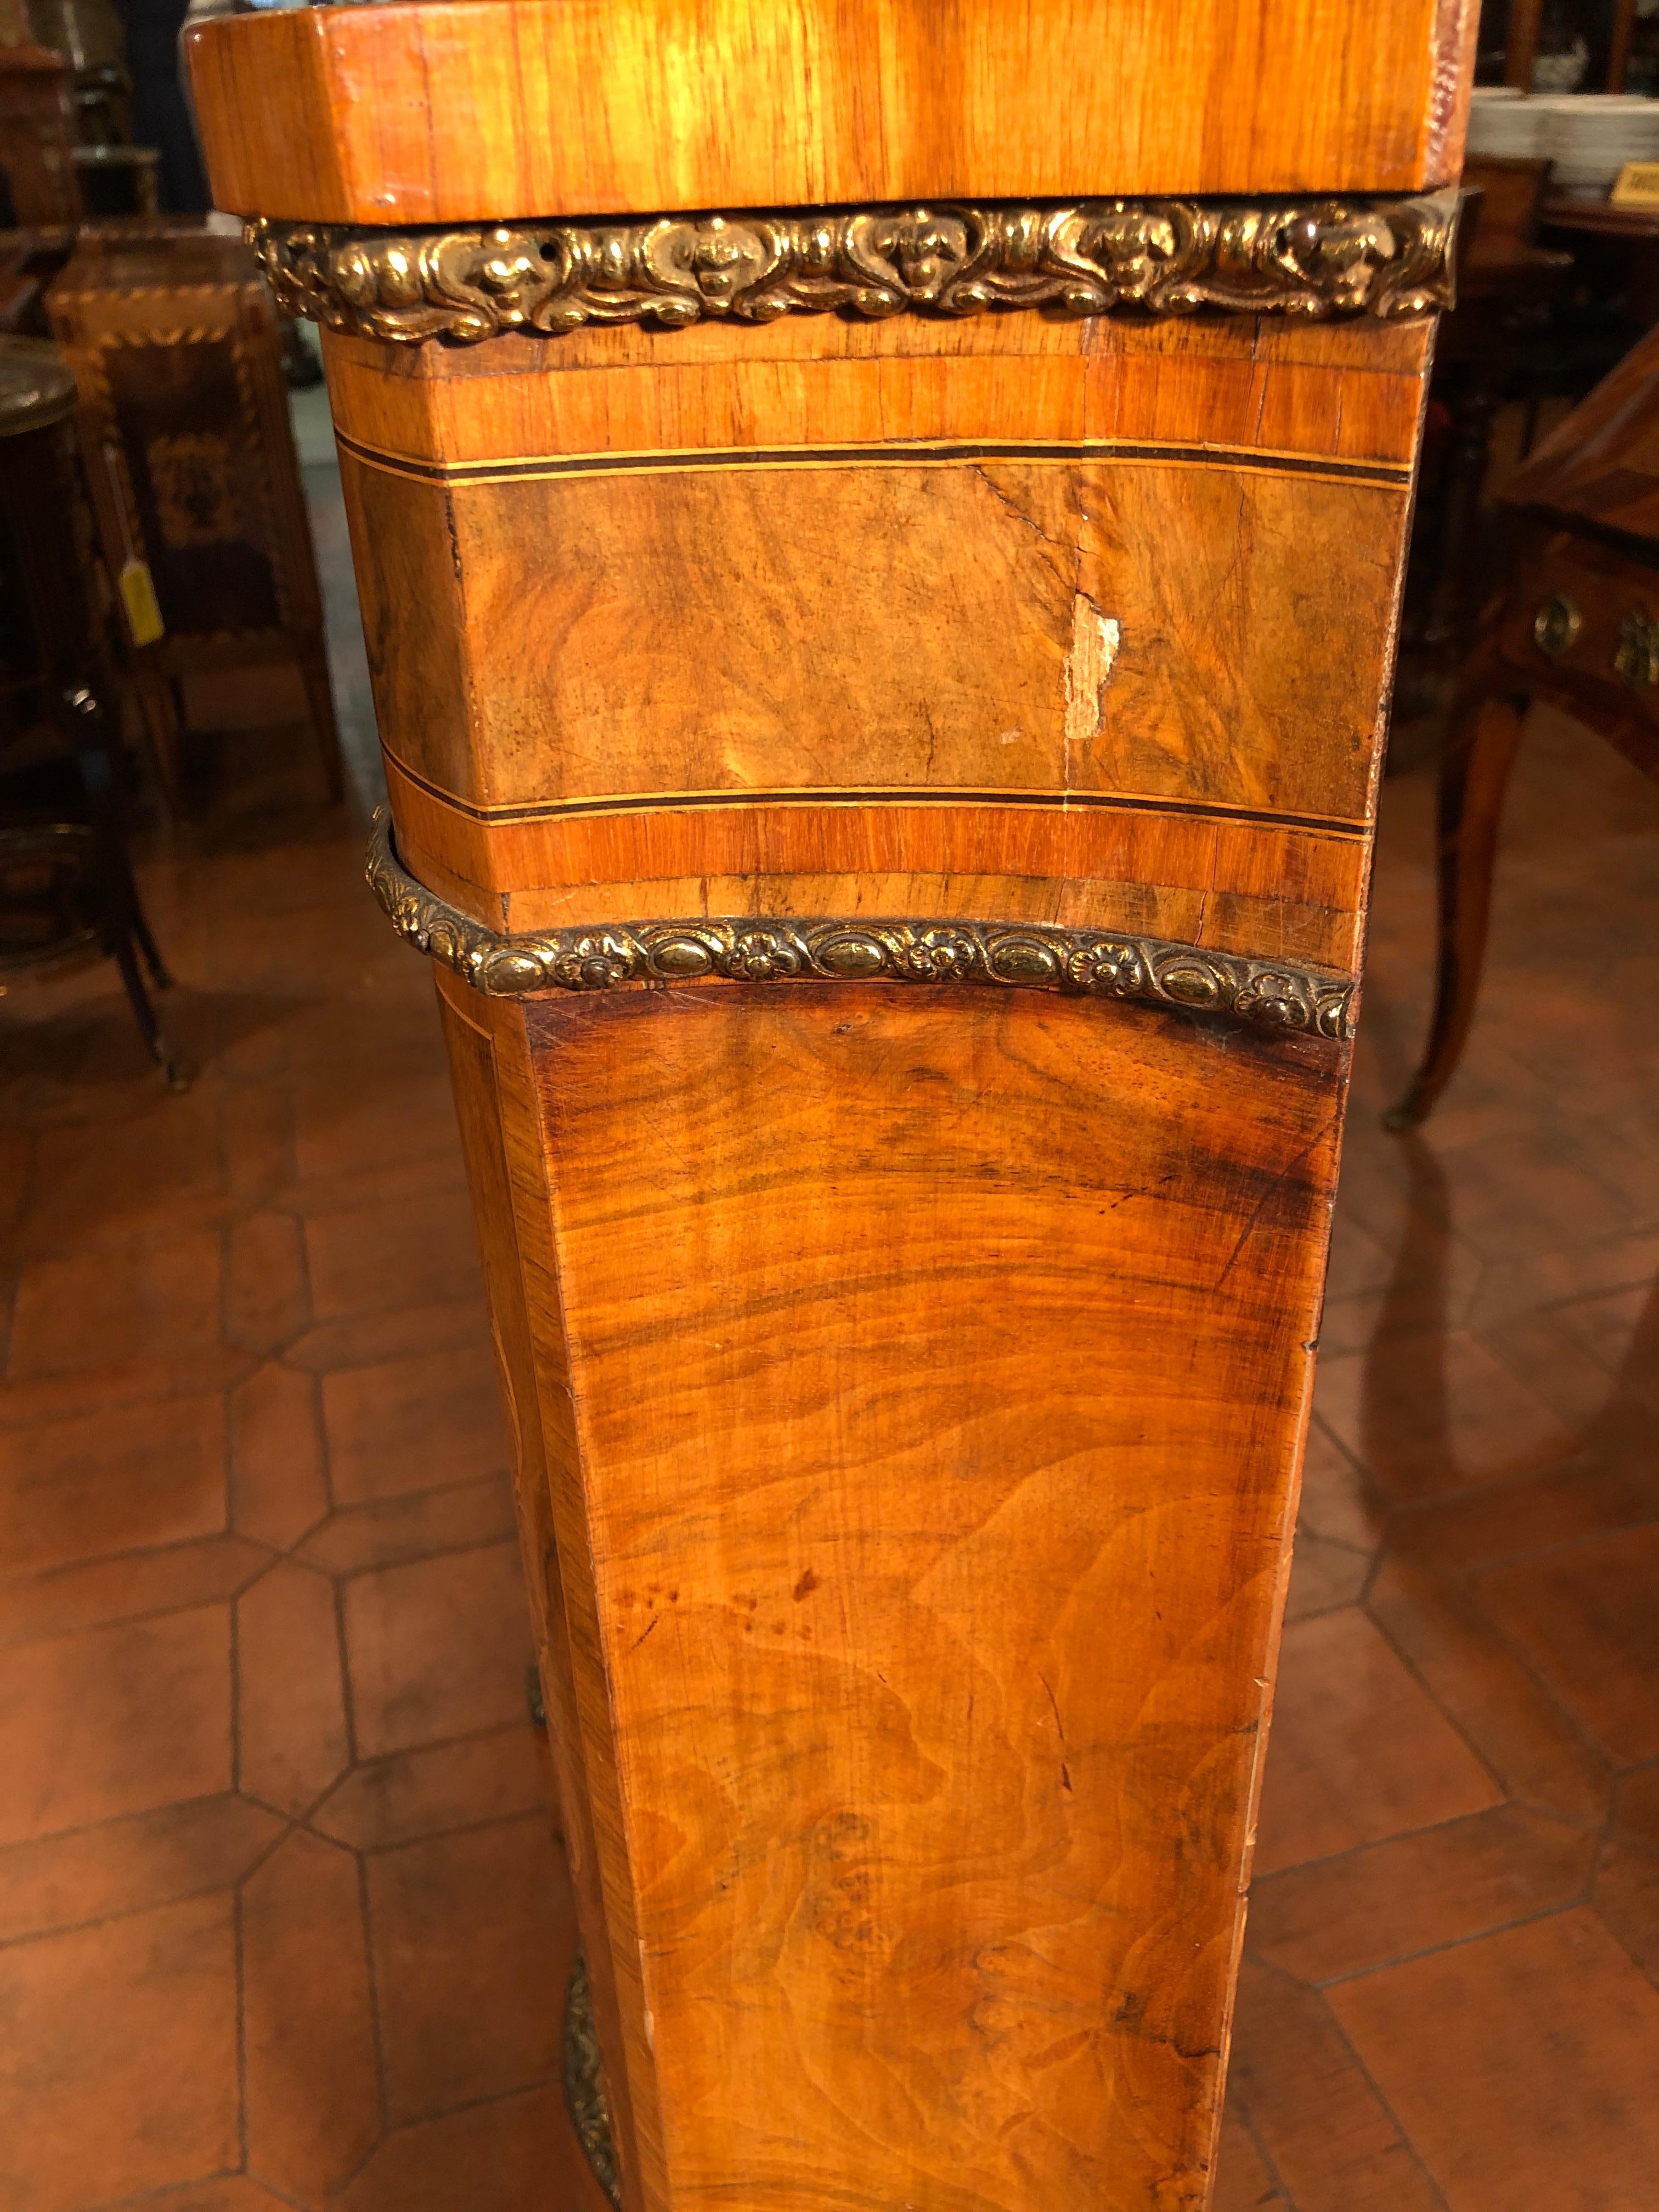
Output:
(1556, 625)
(1635, 656)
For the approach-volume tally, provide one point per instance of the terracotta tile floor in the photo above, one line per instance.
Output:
(282, 1920)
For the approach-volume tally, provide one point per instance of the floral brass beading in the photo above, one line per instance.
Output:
(584, 2082)
(1267, 995)
(1311, 259)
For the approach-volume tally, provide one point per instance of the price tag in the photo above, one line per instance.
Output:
(144, 610)
(1637, 185)
(137, 587)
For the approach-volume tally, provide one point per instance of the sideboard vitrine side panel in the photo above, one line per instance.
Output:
(938, 1366)
(883, 696)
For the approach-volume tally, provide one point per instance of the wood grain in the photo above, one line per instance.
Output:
(665, 604)
(329, 115)
(1347, 392)
(490, 1069)
(908, 1386)
(935, 1583)
(1236, 886)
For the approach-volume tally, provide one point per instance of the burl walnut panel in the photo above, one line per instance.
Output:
(931, 1589)
(1229, 497)
(907, 1377)
(666, 604)
(935, 1688)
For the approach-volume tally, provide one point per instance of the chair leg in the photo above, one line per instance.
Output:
(163, 737)
(127, 934)
(158, 975)
(126, 931)
(1474, 775)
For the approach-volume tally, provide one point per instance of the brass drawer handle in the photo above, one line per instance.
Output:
(1556, 625)
(1635, 656)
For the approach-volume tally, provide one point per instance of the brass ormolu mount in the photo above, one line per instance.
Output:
(1314, 259)
(1273, 996)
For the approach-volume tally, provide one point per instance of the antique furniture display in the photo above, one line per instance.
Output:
(1578, 624)
(1578, 43)
(879, 531)
(66, 887)
(87, 34)
(1489, 349)
(117, 180)
(176, 347)
(37, 138)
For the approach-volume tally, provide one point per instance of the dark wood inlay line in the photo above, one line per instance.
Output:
(921, 452)
(652, 802)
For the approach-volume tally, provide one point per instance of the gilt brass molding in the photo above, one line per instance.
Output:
(1273, 996)
(1636, 655)
(1312, 258)
(584, 2083)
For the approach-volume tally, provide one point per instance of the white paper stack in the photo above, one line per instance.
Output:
(1589, 136)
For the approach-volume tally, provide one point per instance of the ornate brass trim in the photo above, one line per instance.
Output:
(1556, 626)
(1312, 258)
(584, 2083)
(1636, 655)
(1270, 995)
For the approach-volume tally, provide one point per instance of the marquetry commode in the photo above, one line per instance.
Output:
(878, 524)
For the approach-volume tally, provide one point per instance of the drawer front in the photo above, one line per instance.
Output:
(1590, 615)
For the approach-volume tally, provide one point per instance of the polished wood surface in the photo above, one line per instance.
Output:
(1575, 623)
(37, 137)
(894, 762)
(1597, 473)
(858, 1906)
(892, 1795)
(908, 1383)
(453, 111)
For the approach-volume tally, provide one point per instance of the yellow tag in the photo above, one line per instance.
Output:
(139, 598)
(1637, 185)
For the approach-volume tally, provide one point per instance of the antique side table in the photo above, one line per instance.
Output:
(67, 893)
(879, 529)
(1577, 623)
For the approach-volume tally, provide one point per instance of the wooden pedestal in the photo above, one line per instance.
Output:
(882, 706)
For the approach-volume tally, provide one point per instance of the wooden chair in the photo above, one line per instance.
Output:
(1578, 624)
(177, 349)
(66, 884)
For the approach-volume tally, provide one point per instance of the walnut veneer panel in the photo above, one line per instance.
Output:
(604, 106)
(909, 1379)
(489, 1063)
(1236, 886)
(934, 1590)
(634, 633)
(592, 675)
(1350, 392)
(923, 1375)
